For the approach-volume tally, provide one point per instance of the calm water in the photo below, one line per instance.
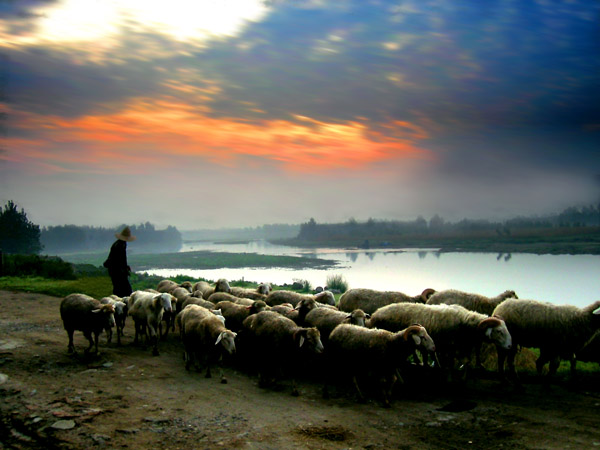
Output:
(558, 279)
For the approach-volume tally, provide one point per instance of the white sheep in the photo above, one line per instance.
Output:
(120, 315)
(205, 337)
(471, 301)
(369, 300)
(559, 331)
(86, 314)
(276, 342)
(358, 351)
(456, 330)
(147, 309)
(284, 296)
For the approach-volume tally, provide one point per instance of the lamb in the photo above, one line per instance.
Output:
(260, 293)
(84, 313)
(355, 350)
(473, 302)
(120, 316)
(235, 314)
(456, 330)
(326, 319)
(559, 331)
(147, 310)
(283, 296)
(370, 300)
(205, 337)
(276, 342)
(222, 285)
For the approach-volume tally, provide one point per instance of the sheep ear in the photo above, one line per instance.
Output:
(96, 310)
(597, 311)
(488, 333)
(417, 339)
(301, 340)
(219, 338)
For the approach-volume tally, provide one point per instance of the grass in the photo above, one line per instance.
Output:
(338, 282)
(203, 260)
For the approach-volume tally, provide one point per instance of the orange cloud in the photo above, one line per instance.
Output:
(150, 133)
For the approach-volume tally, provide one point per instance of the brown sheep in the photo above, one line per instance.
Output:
(370, 300)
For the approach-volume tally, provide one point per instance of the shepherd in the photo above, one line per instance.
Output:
(116, 263)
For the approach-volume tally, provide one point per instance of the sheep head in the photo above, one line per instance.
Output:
(420, 337)
(222, 285)
(309, 339)
(227, 340)
(108, 311)
(495, 331)
(163, 301)
(358, 317)
(264, 288)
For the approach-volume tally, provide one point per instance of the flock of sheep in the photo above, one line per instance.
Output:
(369, 334)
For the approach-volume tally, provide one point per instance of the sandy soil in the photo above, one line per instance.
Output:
(126, 398)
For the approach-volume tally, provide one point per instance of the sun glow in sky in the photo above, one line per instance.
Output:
(391, 109)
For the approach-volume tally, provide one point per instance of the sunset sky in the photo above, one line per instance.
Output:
(235, 113)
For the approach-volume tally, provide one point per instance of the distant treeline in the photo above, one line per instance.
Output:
(272, 231)
(384, 232)
(72, 239)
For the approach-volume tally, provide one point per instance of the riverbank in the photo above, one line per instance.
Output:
(563, 241)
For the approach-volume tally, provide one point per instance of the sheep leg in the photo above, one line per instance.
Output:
(70, 347)
(554, 363)
(361, 397)
(540, 363)
(88, 336)
(108, 335)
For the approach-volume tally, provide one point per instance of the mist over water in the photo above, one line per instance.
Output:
(560, 279)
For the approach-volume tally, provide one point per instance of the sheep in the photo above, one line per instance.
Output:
(147, 310)
(221, 285)
(297, 314)
(205, 337)
(276, 342)
(354, 350)
(193, 300)
(260, 293)
(559, 331)
(120, 315)
(217, 297)
(455, 329)
(473, 302)
(326, 319)
(283, 296)
(235, 314)
(84, 313)
(370, 300)
(189, 310)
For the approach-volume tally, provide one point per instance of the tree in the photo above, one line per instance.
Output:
(17, 233)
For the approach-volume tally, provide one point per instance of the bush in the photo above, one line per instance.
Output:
(337, 282)
(40, 266)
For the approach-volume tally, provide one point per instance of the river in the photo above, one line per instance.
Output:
(561, 279)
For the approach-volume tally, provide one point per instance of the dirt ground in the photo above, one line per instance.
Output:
(126, 398)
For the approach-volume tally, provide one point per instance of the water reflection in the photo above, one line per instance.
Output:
(571, 279)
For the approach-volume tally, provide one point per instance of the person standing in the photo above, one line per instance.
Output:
(116, 263)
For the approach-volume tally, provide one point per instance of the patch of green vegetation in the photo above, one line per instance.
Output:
(337, 282)
(96, 287)
(204, 260)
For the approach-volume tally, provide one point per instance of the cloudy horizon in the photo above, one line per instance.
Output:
(240, 113)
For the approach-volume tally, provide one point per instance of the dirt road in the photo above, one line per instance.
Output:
(126, 398)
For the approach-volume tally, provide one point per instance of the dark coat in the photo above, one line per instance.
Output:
(118, 269)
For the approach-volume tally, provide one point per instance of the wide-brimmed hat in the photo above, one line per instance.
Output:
(125, 235)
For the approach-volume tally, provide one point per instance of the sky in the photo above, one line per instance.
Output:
(239, 113)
